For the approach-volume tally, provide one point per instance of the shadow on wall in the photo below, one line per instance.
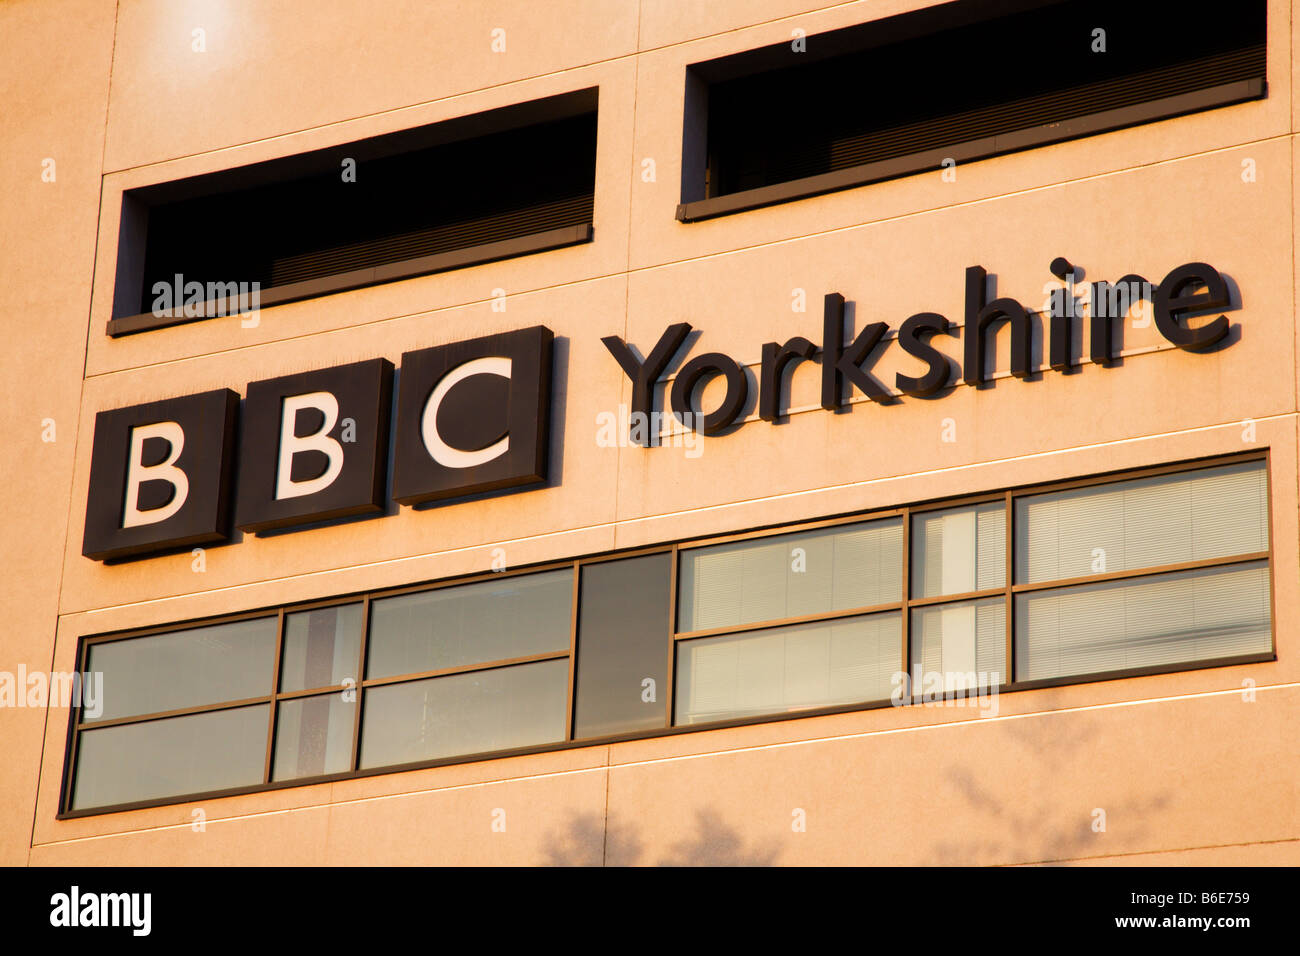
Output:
(1037, 828)
(584, 842)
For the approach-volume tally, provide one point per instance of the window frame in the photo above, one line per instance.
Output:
(698, 168)
(128, 261)
(904, 606)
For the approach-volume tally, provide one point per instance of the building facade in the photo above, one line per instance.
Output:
(633, 431)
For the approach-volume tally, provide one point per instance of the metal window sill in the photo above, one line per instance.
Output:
(360, 278)
(972, 150)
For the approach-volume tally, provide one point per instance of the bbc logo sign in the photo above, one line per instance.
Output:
(471, 417)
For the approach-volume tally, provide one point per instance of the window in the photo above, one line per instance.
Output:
(456, 627)
(956, 553)
(143, 744)
(787, 669)
(622, 660)
(953, 83)
(811, 572)
(468, 669)
(313, 734)
(783, 666)
(1160, 571)
(1179, 564)
(467, 191)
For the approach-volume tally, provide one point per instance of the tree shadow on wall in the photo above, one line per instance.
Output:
(1035, 829)
(712, 842)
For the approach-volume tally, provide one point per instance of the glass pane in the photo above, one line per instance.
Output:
(170, 757)
(623, 642)
(201, 665)
(1163, 619)
(966, 642)
(959, 550)
(788, 668)
(313, 736)
(1192, 516)
(478, 712)
(322, 647)
(810, 572)
(470, 624)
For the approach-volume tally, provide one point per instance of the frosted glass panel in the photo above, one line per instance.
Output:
(321, 647)
(1191, 516)
(961, 639)
(165, 758)
(478, 712)
(959, 550)
(811, 572)
(189, 668)
(1163, 619)
(313, 736)
(788, 668)
(476, 623)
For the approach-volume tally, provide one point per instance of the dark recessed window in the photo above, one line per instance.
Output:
(623, 629)
(467, 191)
(957, 82)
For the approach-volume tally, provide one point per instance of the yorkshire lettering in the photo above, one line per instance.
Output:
(1189, 291)
(471, 417)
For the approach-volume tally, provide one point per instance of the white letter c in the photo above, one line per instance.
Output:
(438, 449)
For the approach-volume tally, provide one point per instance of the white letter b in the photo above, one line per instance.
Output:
(290, 445)
(137, 473)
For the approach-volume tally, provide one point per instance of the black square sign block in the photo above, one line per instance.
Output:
(160, 476)
(314, 445)
(473, 416)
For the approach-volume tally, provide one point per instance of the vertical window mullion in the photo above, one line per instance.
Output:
(573, 652)
(1009, 676)
(1268, 528)
(70, 770)
(275, 691)
(361, 673)
(671, 690)
(907, 607)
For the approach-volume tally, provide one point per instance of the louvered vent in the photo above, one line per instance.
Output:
(444, 237)
(944, 85)
(474, 189)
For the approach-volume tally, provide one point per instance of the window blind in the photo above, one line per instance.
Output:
(959, 550)
(1170, 519)
(1164, 619)
(788, 668)
(831, 569)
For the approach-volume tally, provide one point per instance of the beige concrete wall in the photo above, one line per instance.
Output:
(54, 74)
(1186, 768)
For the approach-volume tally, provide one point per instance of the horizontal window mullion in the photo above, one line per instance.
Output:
(786, 622)
(1141, 572)
(956, 598)
(314, 691)
(465, 668)
(181, 712)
